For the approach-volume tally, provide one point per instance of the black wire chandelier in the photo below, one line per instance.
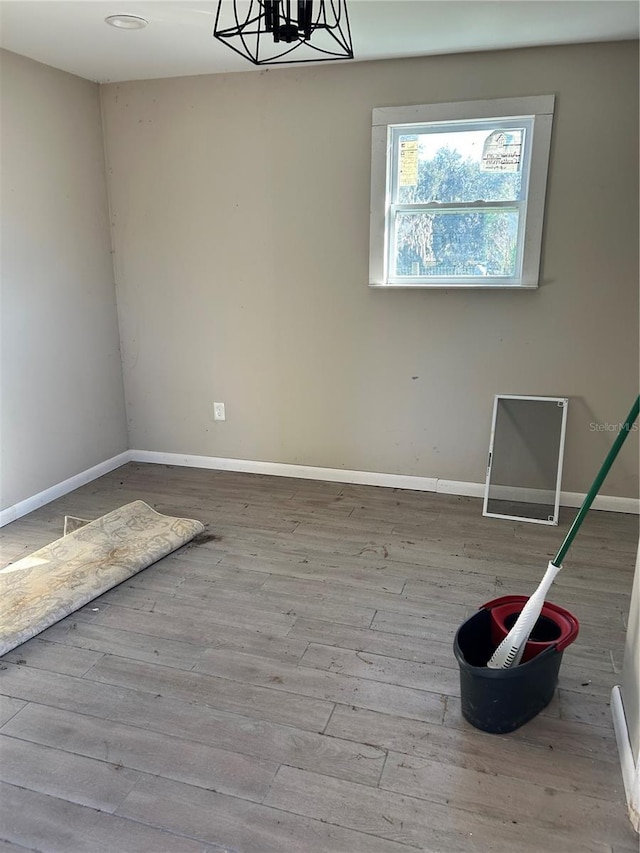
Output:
(285, 31)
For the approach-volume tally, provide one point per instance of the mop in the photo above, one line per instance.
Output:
(509, 652)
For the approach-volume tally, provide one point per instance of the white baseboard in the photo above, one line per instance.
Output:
(540, 496)
(36, 501)
(608, 503)
(365, 478)
(280, 469)
(458, 487)
(630, 768)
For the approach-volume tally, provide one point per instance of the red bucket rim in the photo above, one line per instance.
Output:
(569, 622)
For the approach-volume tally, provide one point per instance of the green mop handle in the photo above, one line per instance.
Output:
(593, 491)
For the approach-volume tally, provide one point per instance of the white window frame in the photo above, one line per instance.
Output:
(386, 120)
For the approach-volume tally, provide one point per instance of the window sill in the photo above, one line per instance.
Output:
(452, 285)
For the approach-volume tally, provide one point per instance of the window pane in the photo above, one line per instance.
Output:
(478, 243)
(460, 166)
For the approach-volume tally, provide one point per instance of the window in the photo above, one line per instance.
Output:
(457, 193)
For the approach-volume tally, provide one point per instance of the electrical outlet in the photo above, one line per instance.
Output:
(218, 412)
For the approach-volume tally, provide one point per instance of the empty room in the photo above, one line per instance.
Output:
(319, 426)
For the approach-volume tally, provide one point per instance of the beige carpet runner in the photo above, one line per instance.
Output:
(51, 583)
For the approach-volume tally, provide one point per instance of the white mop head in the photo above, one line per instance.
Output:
(510, 651)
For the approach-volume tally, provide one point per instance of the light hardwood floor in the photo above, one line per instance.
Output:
(289, 686)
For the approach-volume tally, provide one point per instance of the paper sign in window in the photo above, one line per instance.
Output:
(408, 161)
(502, 151)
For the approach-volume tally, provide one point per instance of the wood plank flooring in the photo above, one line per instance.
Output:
(289, 685)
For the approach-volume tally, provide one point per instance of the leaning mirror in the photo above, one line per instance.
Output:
(524, 468)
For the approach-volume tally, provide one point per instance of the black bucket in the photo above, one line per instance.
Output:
(501, 700)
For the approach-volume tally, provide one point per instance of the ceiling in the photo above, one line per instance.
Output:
(72, 36)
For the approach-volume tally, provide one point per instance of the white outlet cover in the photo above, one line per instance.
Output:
(218, 411)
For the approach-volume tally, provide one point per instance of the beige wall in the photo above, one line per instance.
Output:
(62, 396)
(240, 206)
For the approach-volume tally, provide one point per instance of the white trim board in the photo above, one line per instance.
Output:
(366, 478)
(630, 769)
(280, 469)
(36, 501)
